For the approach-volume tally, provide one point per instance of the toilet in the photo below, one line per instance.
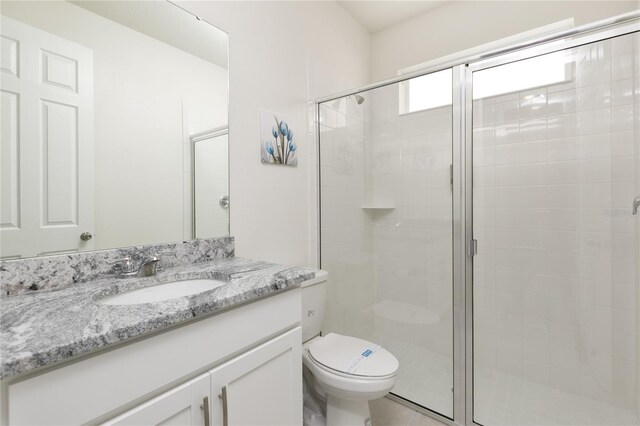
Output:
(344, 371)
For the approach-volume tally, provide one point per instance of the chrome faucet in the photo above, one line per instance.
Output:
(636, 204)
(148, 266)
(125, 267)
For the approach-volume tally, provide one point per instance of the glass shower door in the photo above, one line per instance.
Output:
(556, 166)
(386, 228)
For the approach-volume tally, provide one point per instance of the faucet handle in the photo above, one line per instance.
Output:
(125, 266)
(160, 255)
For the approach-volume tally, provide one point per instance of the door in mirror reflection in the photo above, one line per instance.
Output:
(46, 144)
(211, 185)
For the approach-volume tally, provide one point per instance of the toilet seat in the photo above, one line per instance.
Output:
(349, 356)
(342, 385)
(347, 375)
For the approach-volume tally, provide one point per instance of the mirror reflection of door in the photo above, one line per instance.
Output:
(46, 145)
(210, 184)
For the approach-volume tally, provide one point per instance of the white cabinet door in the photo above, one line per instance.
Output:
(183, 405)
(262, 386)
(46, 149)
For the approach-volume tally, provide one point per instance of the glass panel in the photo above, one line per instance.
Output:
(386, 233)
(555, 171)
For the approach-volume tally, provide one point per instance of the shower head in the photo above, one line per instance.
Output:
(359, 99)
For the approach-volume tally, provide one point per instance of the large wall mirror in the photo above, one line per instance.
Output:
(113, 124)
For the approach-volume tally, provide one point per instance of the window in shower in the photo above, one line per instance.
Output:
(434, 90)
(386, 232)
(555, 281)
(426, 92)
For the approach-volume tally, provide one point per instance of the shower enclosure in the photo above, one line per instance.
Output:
(476, 220)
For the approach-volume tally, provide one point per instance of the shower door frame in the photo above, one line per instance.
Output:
(462, 198)
(585, 37)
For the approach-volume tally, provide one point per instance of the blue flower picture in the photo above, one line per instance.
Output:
(277, 140)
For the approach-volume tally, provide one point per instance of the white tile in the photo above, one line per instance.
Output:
(563, 102)
(506, 133)
(623, 168)
(533, 104)
(594, 121)
(593, 65)
(506, 111)
(624, 143)
(595, 170)
(622, 92)
(622, 118)
(562, 126)
(534, 129)
(622, 66)
(561, 149)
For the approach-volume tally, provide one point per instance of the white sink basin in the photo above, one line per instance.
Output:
(160, 292)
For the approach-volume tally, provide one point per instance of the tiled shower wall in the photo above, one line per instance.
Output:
(386, 215)
(411, 155)
(386, 234)
(345, 228)
(556, 278)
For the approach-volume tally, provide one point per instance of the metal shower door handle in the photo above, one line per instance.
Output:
(224, 201)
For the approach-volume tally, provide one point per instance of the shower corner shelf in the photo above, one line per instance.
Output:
(378, 206)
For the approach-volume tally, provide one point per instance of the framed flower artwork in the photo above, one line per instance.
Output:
(277, 140)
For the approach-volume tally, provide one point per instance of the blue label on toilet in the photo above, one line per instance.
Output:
(363, 357)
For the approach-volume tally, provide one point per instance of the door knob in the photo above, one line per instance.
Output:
(86, 236)
(224, 201)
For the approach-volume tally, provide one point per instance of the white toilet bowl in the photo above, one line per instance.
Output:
(349, 372)
(344, 371)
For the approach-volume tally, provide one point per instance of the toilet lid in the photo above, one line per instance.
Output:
(354, 356)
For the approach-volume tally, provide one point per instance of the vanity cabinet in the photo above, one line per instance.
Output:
(180, 406)
(259, 387)
(253, 351)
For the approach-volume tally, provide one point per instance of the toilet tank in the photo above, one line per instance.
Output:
(314, 293)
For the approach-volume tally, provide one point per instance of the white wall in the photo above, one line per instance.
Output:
(460, 25)
(140, 86)
(276, 50)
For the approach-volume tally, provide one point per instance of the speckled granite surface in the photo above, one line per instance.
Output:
(46, 327)
(35, 274)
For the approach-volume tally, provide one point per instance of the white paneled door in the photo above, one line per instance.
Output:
(46, 157)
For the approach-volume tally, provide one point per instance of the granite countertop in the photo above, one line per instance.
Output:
(47, 327)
